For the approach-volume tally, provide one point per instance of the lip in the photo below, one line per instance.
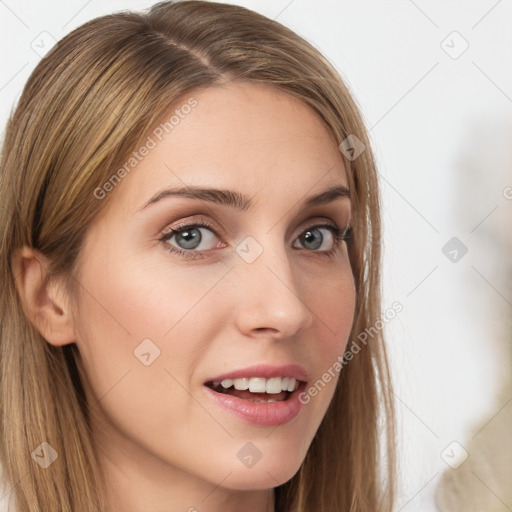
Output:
(266, 371)
(260, 413)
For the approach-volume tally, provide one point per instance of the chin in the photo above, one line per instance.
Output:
(262, 475)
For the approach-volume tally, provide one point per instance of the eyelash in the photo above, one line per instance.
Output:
(338, 234)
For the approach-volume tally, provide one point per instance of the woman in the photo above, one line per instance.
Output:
(190, 245)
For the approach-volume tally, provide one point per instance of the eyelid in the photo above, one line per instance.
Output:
(199, 219)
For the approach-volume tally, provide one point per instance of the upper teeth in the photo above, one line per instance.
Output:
(273, 385)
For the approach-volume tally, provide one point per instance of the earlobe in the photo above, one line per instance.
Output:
(45, 303)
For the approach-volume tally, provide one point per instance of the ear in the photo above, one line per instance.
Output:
(46, 304)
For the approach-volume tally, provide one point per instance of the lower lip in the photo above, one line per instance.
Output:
(260, 413)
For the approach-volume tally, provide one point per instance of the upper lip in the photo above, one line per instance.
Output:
(266, 371)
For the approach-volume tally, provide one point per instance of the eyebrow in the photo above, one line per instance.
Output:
(238, 200)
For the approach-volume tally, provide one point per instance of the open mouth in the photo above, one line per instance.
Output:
(257, 389)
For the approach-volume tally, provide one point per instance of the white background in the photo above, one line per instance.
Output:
(441, 129)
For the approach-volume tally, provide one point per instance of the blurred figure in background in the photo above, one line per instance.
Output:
(483, 482)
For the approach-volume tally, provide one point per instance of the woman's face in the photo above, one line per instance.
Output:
(263, 291)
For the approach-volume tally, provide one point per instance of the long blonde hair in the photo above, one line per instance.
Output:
(81, 114)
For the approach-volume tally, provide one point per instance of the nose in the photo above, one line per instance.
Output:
(271, 298)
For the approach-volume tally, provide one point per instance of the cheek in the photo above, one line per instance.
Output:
(141, 339)
(333, 304)
(133, 314)
(147, 302)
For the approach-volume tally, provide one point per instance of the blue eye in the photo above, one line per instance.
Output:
(313, 238)
(189, 237)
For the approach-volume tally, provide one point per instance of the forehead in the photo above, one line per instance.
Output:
(242, 136)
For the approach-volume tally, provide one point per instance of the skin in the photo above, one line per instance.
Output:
(164, 444)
